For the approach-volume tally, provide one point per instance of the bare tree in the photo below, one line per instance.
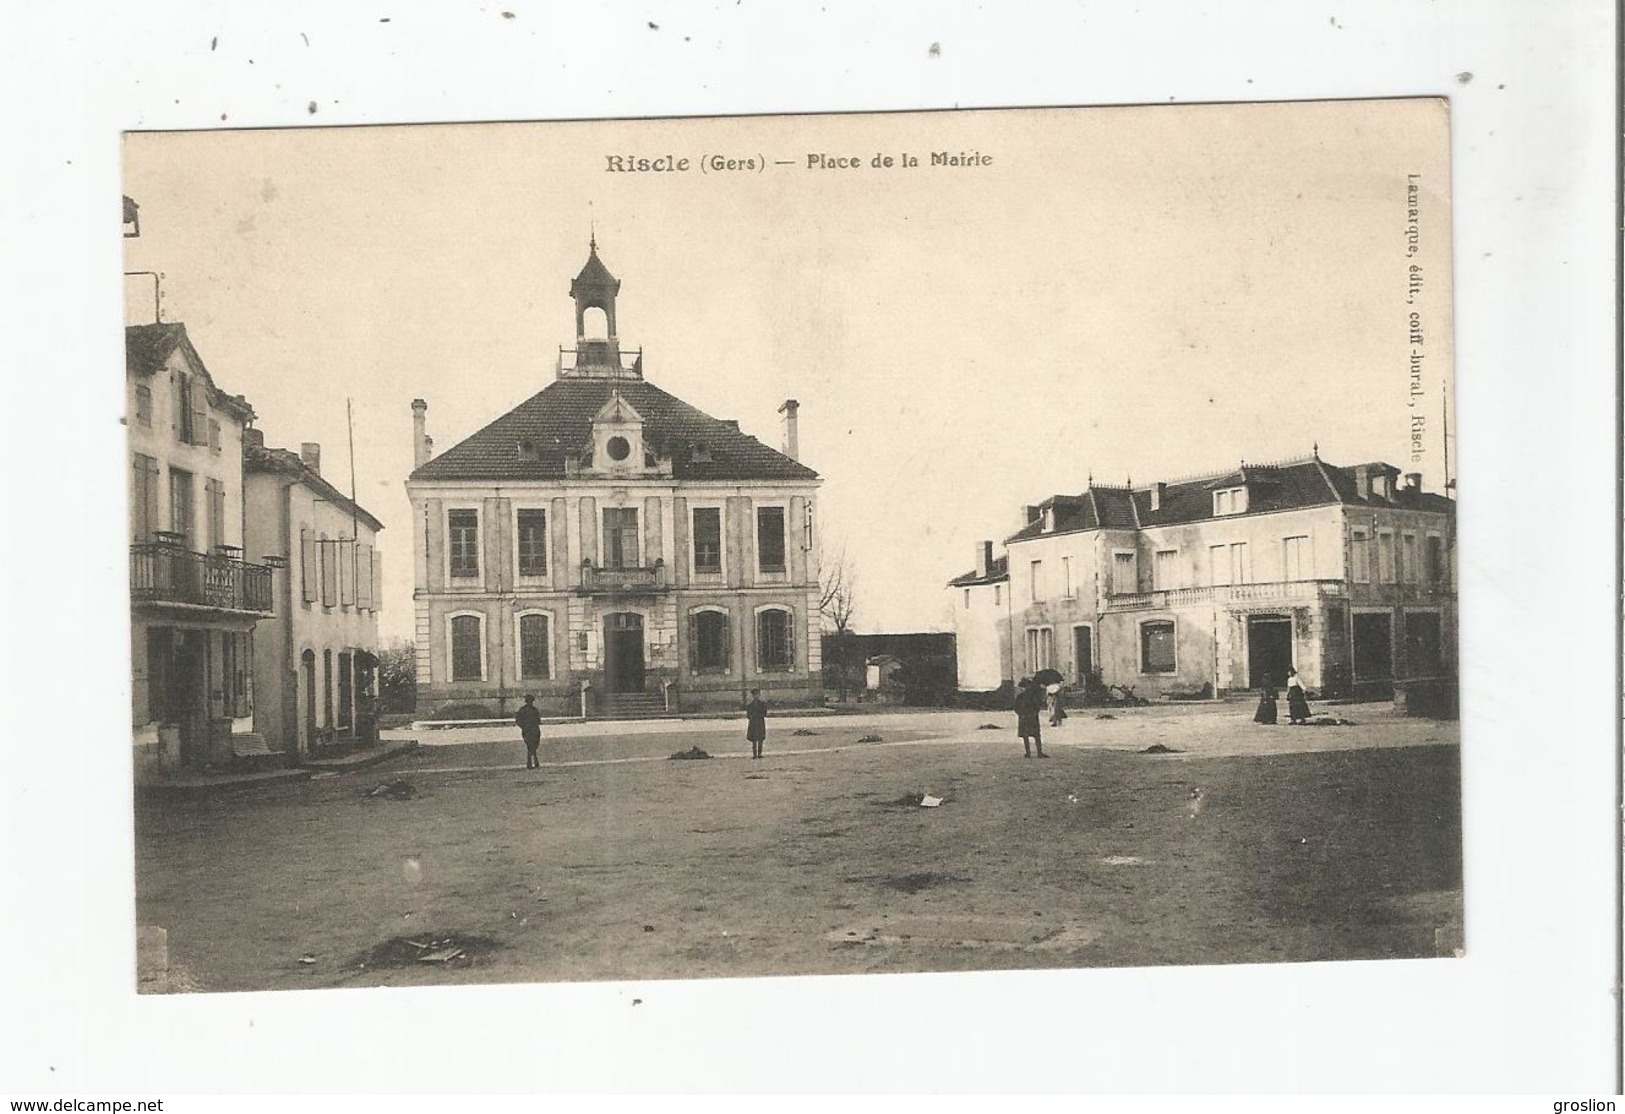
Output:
(837, 604)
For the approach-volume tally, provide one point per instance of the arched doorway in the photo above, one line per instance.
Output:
(623, 652)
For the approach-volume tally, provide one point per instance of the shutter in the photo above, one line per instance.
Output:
(363, 578)
(377, 583)
(308, 572)
(346, 573)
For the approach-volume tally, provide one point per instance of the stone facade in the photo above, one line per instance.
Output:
(607, 547)
(1221, 583)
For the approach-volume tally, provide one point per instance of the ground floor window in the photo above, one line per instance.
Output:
(467, 656)
(708, 640)
(773, 647)
(1157, 647)
(534, 658)
(1040, 649)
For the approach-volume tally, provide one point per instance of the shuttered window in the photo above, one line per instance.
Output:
(143, 405)
(465, 648)
(1295, 561)
(620, 537)
(363, 577)
(181, 512)
(309, 571)
(216, 490)
(533, 647)
(1360, 557)
(773, 645)
(709, 643)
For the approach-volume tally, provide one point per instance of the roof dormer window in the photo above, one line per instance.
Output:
(1230, 500)
(528, 451)
(1049, 519)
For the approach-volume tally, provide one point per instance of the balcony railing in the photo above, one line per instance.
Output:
(599, 359)
(1269, 592)
(165, 573)
(635, 580)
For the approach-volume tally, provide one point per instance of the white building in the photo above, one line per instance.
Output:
(316, 663)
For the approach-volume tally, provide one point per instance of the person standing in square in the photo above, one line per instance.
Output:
(530, 729)
(756, 723)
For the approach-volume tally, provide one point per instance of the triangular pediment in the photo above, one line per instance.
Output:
(617, 411)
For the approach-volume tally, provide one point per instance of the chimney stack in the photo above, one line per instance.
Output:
(1362, 481)
(1158, 490)
(1413, 481)
(984, 560)
(311, 453)
(253, 438)
(420, 439)
(792, 444)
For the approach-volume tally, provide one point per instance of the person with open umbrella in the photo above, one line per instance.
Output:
(1029, 699)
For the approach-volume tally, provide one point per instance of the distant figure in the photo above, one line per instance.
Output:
(1029, 702)
(530, 729)
(1057, 710)
(1266, 706)
(1297, 704)
(756, 725)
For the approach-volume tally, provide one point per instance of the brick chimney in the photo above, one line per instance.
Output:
(984, 560)
(792, 444)
(311, 453)
(420, 439)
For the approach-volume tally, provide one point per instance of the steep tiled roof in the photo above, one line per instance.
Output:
(557, 424)
(148, 347)
(262, 459)
(999, 571)
(1305, 483)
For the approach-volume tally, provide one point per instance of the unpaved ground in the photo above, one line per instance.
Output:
(1252, 844)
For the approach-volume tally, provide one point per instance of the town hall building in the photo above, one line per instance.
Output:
(610, 549)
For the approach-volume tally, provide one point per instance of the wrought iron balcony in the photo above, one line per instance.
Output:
(164, 572)
(624, 581)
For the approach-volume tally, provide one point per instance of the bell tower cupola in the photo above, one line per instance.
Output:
(598, 348)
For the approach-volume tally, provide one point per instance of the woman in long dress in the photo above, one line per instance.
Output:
(1297, 704)
(1266, 706)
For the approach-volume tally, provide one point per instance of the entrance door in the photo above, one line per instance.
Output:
(1269, 650)
(1083, 654)
(188, 695)
(623, 652)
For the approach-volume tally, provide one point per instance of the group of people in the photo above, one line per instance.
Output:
(530, 728)
(1032, 699)
(1297, 702)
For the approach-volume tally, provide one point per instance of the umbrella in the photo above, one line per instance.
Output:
(1047, 677)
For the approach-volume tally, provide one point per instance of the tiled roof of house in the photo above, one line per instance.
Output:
(147, 349)
(262, 459)
(1275, 487)
(999, 571)
(556, 423)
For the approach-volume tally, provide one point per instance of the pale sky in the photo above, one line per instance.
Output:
(1146, 292)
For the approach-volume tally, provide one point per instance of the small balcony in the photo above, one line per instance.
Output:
(163, 572)
(631, 581)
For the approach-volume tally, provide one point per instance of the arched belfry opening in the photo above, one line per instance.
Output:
(597, 353)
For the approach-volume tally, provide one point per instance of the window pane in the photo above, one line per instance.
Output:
(1124, 574)
(770, 538)
(710, 640)
(708, 539)
(1218, 565)
(465, 648)
(180, 506)
(1436, 561)
(1360, 557)
(532, 543)
(464, 529)
(533, 646)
